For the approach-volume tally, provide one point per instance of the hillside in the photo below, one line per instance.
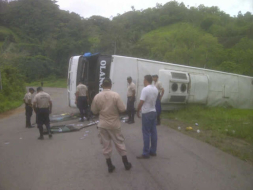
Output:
(37, 34)
(37, 38)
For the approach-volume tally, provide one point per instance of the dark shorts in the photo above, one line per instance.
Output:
(82, 102)
(43, 116)
(130, 104)
(158, 105)
(28, 111)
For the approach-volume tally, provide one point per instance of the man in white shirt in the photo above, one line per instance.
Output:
(147, 106)
(82, 100)
(28, 98)
(42, 105)
(131, 90)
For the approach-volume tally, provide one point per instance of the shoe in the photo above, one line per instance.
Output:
(130, 122)
(111, 167)
(50, 136)
(142, 157)
(127, 164)
(41, 138)
(152, 154)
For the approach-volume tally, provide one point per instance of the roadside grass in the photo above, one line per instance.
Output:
(9, 105)
(231, 130)
(50, 82)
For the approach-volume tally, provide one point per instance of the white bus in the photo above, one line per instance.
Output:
(182, 84)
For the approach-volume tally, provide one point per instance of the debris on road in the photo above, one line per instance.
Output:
(64, 117)
(179, 128)
(188, 128)
(196, 124)
(198, 131)
(7, 143)
(70, 127)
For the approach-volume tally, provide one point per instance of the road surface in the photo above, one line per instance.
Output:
(70, 162)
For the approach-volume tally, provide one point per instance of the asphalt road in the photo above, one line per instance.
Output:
(71, 162)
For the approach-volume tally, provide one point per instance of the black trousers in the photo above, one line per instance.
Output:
(82, 105)
(130, 108)
(28, 114)
(43, 119)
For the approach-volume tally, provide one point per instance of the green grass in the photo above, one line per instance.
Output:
(231, 130)
(9, 105)
(57, 83)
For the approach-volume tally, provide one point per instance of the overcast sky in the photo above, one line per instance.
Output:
(108, 8)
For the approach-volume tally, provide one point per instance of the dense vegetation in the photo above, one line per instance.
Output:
(38, 38)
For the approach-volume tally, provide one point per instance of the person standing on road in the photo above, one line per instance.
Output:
(82, 100)
(160, 89)
(109, 105)
(28, 98)
(42, 105)
(131, 90)
(147, 106)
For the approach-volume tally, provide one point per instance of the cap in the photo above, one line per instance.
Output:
(155, 76)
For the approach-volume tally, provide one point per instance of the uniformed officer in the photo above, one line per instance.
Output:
(28, 98)
(42, 105)
(82, 100)
(160, 89)
(109, 105)
(131, 90)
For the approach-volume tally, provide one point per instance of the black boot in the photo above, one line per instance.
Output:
(41, 133)
(127, 164)
(111, 167)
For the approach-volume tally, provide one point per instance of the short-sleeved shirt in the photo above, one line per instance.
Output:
(130, 90)
(149, 95)
(108, 105)
(27, 97)
(81, 89)
(159, 86)
(42, 99)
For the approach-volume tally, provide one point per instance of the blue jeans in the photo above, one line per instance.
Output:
(149, 133)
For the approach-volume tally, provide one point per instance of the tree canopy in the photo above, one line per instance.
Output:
(38, 38)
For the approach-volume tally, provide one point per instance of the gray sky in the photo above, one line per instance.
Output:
(108, 8)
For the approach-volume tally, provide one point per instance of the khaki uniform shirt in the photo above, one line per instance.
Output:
(108, 105)
(159, 86)
(42, 100)
(130, 90)
(27, 97)
(81, 89)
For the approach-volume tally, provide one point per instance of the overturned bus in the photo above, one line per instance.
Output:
(183, 85)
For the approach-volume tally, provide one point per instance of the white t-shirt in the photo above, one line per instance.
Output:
(149, 95)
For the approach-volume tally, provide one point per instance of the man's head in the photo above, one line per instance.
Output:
(129, 80)
(107, 83)
(31, 90)
(155, 78)
(39, 89)
(147, 80)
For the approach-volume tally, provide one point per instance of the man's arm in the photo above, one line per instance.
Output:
(162, 94)
(77, 94)
(50, 106)
(94, 108)
(34, 107)
(139, 108)
(121, 106)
